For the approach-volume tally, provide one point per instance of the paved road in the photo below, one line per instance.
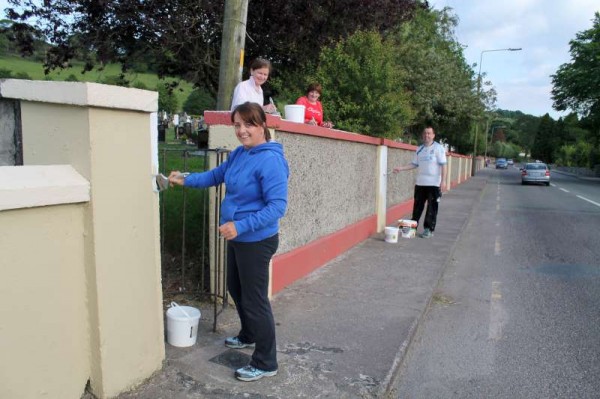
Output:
(517, 312)
(585, 190)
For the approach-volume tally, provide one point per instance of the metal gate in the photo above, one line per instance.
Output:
(192, 252)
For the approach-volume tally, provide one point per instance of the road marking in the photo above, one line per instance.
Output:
(497, 207)
(588, 200)
(497, 246)
(562, 189)
(498, 314)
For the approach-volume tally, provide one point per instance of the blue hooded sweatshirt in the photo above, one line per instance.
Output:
(256, 182)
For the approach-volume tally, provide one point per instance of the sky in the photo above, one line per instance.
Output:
(542, 28)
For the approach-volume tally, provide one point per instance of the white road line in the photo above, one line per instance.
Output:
(498, 314)
(497, 246)
(562, 189)
(588, 200)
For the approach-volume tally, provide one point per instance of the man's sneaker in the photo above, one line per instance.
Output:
(235, 343)
(427, 233)
(249, 373)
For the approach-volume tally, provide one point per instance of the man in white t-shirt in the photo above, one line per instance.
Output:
(430, 158)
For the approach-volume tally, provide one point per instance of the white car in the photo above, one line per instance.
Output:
(535, 173)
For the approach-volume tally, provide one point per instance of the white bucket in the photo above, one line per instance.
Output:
(182, 325)
(391, 235)
(294, 113)
(408, 228)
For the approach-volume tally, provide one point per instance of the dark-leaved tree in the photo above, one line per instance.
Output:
(183, 37)
(577, 83)
(545, 143)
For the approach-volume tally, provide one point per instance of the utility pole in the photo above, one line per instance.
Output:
(232, 50)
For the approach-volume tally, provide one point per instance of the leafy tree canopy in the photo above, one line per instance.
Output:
(368, 96)
(439, 81)
(198, 101)
(577, 84)
(166, 99)
(545, 141)
(183, 37)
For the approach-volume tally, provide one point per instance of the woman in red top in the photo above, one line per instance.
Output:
(313, 110)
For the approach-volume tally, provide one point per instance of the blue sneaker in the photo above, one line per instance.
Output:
(249, 373)
(235, 343)
(427, 233)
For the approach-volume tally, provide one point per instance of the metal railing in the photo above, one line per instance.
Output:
(193, 253)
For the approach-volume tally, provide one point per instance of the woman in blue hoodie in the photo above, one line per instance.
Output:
(256, 179)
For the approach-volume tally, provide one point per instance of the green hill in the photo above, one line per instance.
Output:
(19, 67)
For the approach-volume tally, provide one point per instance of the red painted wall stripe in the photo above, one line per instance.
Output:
(291, 266)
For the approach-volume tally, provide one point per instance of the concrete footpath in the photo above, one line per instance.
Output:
(342, 332)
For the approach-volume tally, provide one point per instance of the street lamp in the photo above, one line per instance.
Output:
(478, 91)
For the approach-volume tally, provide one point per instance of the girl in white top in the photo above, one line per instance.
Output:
(250, 90)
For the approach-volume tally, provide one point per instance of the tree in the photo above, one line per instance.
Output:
(544, 142)
(166, 99)
(291, 33)
(577, 84)
(198, 101)
(368, 96)
(183, 37)
(177, 38)
(504, 150)
(527, 127)
(440, 82)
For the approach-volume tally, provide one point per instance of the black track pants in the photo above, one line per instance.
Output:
(431, 195)
(248, 284)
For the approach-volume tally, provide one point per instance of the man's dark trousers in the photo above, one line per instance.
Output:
(432, 195)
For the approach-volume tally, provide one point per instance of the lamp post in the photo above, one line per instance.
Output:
(478, 91)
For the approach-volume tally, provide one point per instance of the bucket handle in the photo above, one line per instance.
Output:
(175, 304)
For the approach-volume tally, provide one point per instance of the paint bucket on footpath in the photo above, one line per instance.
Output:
(294, 113)
(391, 235)
(182, 325)
(408, 228)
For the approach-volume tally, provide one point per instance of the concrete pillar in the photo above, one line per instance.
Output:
(449, 172)
(381, 198)
(108, 135)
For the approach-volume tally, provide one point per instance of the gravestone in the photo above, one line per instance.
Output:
(11, 152)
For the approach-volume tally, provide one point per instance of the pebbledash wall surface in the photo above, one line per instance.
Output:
(341, 190)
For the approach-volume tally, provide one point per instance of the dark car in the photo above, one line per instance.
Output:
(535, 173)
(501, 163)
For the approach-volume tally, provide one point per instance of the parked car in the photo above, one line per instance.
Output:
(535, 173)
(510, 162)
(501, 163)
